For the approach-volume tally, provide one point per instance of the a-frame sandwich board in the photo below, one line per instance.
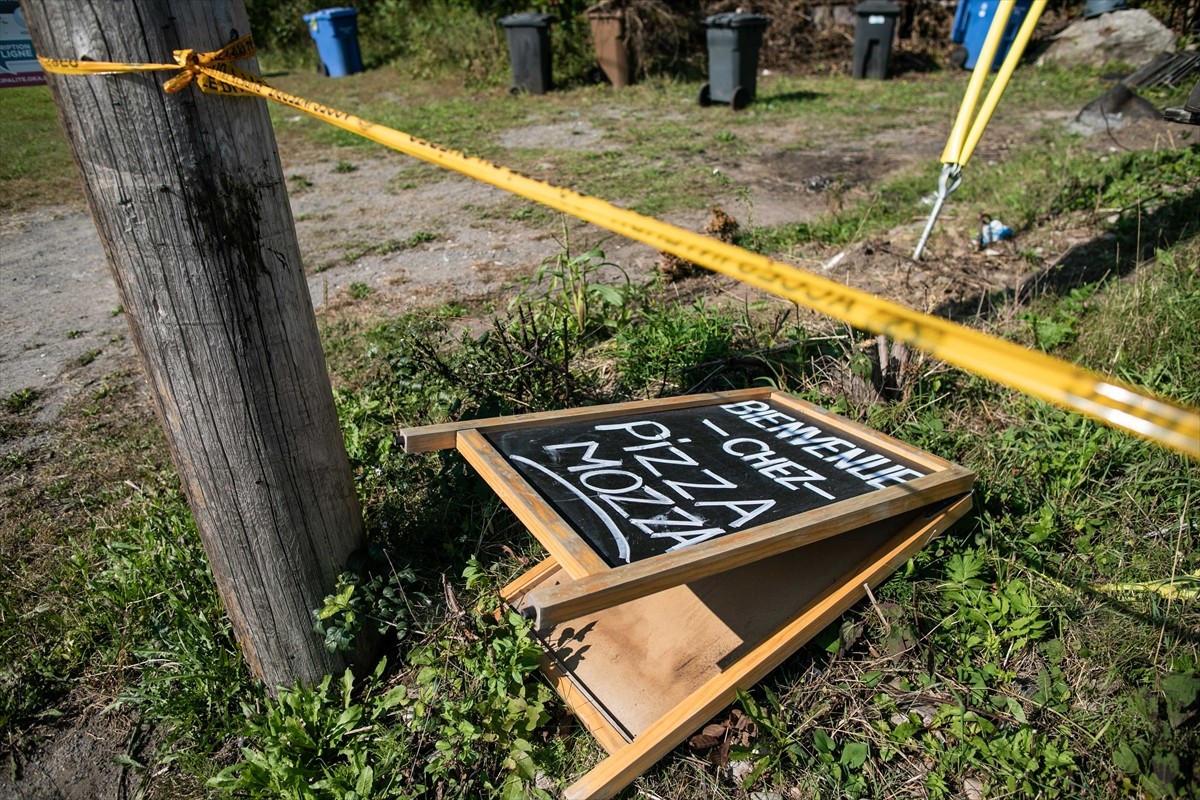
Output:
(644, 675)
(660, 599)
(633, 498)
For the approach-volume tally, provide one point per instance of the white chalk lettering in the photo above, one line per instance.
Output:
(839, 452)
(657, 430)
(588, 477)
(746, 509)
(764, 418)
(721, 483)
(649, 496)
(676, 518)
(608, 522)
(687, 538)
(763, 460)
(782, 470)
(895, 474)
(793, 431)
(588, 461)
(745, 407)
(830, 443)
(846, 462)
(683, 460)
(733, 447)
(803, 476)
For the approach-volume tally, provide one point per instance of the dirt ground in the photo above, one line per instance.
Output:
(59, 306)
(64, 330)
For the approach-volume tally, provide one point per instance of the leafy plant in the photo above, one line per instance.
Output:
(1060, 326)
(318, 742)
(481, 708)
(20, 400)
(380, 600)
(567, 293)
(668, 343)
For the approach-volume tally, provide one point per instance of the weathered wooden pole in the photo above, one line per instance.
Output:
(189, 198)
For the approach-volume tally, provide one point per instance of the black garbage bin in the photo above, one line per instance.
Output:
(873, 34)
(734, 40)
(529, 51)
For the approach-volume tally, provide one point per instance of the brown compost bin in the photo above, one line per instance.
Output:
(612, 50)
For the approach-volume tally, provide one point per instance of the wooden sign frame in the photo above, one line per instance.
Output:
(594, 584)
(599, 662)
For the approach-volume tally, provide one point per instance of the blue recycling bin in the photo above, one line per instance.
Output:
(335, 30)
(972, 19)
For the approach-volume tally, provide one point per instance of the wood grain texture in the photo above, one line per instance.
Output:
(581, 704)
(530, 578)
(551, 530)
(189, 199)
(442, 437)
(666, 664)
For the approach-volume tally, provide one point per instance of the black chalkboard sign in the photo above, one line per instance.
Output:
(639, 485)
(634, 498)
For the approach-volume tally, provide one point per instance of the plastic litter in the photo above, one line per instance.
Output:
(992, 231)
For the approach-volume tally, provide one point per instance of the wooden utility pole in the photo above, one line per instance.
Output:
(188, 196)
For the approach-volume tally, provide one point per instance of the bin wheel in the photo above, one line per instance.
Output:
(322, 70)
(740, 99)
(514, 90)
(958, 57)
(705, 96)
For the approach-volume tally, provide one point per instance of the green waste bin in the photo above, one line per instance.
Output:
(734, 39)
(529, 51)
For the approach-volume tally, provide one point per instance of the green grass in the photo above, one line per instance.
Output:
(21, 400)
(355, 250)
(1031, 651)
(668, 142)
(1006, 660)
(1150, 195)
(35, 165)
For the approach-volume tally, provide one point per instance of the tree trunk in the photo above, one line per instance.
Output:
(188, 195)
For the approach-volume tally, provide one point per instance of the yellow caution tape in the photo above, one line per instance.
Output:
(189, 64)
(1182, 587)
(1028, 371)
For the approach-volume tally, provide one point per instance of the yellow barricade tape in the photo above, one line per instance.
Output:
(1028, 371)
(190, 64)
(1181, 587)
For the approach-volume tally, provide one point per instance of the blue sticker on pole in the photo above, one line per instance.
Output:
(18, 63)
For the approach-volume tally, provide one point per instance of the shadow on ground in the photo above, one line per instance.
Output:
(1133, 239)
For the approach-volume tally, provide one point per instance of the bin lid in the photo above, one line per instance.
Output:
(529, 19)
(734, 19)
(606, 8)
(330, 13)
(877, 7)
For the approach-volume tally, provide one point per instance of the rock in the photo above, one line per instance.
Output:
(1132, 36)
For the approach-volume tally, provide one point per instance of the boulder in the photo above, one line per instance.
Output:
(1131, 36)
